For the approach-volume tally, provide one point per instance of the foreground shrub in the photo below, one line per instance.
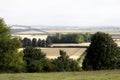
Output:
(34, 59)
(64, 63)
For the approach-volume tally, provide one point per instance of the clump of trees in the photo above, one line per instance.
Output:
(57, 38)
(64, 63)
(70, 38)
(36, 61)
(36, 43)
(103, 53)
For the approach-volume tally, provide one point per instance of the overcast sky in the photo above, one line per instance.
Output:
(61, 12)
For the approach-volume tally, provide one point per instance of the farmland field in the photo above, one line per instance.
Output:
(72, 52)
(83, 75)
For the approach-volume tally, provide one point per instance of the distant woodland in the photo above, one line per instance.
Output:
(57, 38)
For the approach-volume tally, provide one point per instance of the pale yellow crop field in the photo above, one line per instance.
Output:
(71, 52)
(74, 53)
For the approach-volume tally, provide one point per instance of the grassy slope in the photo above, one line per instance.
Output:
(89, 75)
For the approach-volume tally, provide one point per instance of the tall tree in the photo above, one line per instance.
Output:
(26, 42)
(39, 43)
(8, 49)
(34, 42)
(48, 41)
(4, 29)
(43, 43)
(102, 53)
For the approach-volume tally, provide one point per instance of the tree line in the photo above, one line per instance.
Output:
(36, 61)
(57, 38)
(70, 38)
(36, 43)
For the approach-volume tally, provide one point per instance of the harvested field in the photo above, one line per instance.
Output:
(53, 52)
(53, 31)
(71, 45)
(118, 43)
(71, 52)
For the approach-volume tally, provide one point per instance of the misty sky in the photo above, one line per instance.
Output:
(61, 12)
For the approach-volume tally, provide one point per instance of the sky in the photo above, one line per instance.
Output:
(61, 12)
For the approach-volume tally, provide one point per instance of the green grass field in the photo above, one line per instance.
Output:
(89, 75)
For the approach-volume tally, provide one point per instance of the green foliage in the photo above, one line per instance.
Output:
(48, 65)
(87, 37)
(39, 43)
(4, 29)
(48, 41)
(34, 42)
(26, 42)
(34, 59)
(79, 38)
(103, 53)
(64, 63)
(18, 65)
(81, 59)
(8, 50)
(57, 38)
(43, 43)
(70, 38)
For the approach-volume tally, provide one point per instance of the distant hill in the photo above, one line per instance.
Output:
(22, 28)
(66, 27)
(35, 30)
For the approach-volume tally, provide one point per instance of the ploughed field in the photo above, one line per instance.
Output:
(83, 75)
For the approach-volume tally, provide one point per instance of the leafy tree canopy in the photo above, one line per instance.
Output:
(103, 53)
(8, 48)
(34, 58)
